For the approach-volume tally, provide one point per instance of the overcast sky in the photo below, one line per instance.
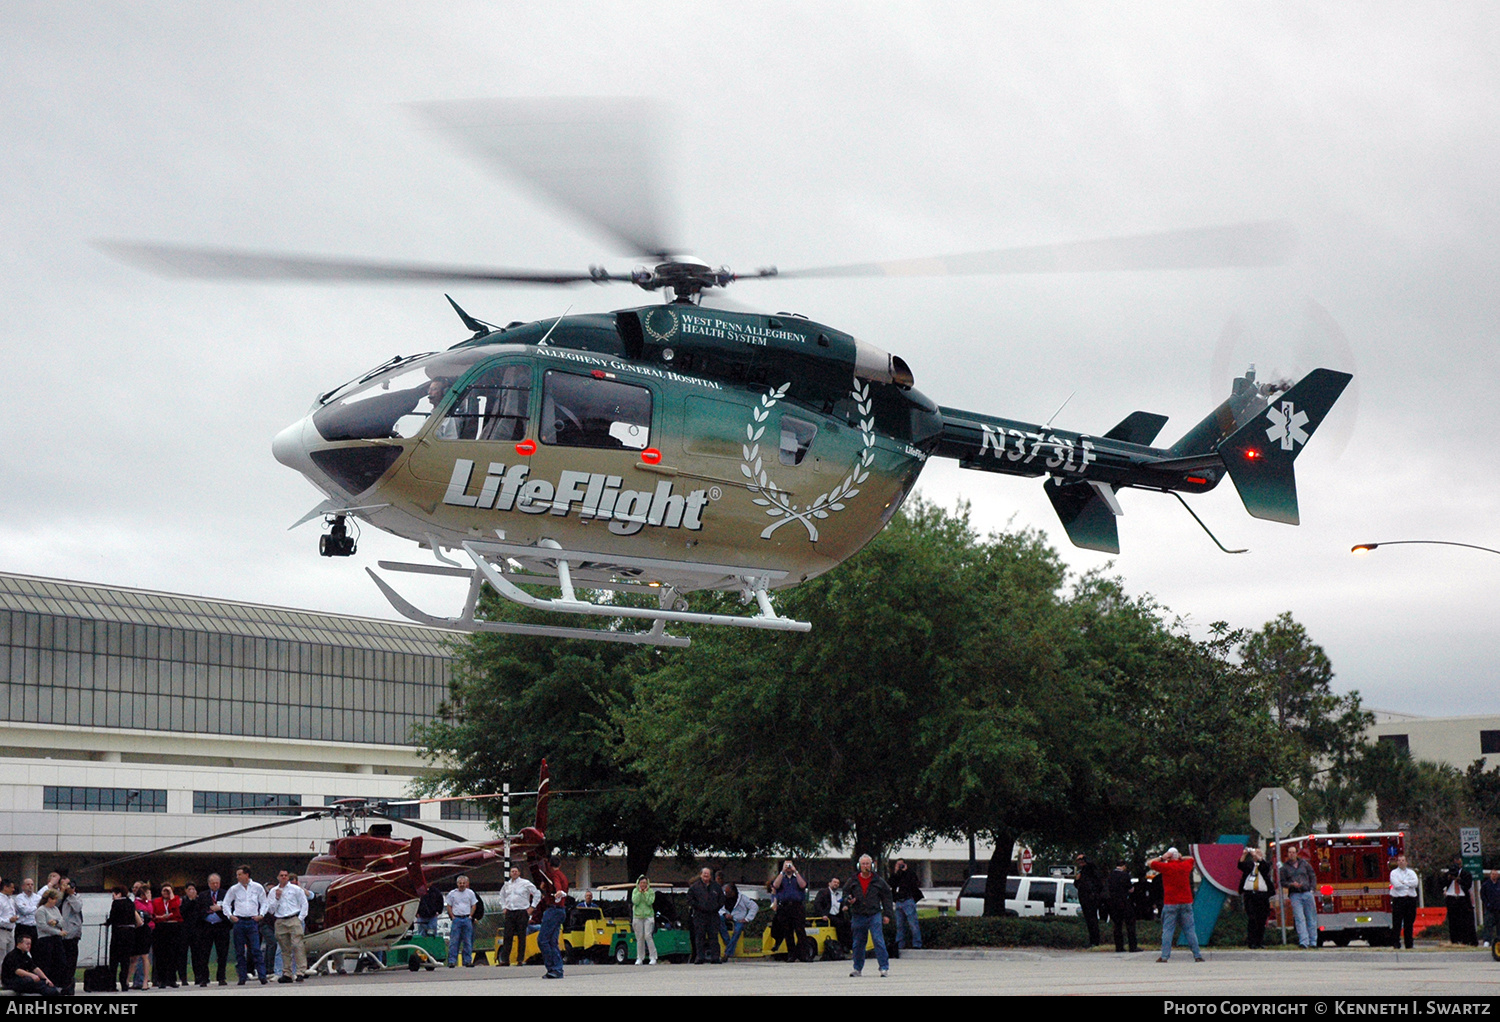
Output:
(141, 409)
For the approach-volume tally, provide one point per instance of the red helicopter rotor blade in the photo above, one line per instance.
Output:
(201, 840)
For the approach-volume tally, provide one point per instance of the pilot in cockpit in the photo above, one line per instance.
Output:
(436, 389)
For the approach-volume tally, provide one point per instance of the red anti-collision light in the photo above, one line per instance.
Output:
(651, 456)
(526, 448)
(1252, 454)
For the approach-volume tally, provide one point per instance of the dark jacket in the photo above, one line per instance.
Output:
(431, 905)
(1464, 877)
(707, 897)
(207, 897)
(877, 901)
(1119, 886)
(1262, 867)
(193, 913)
(904, 886)
(1090, 883)
(823, 901)
(1489, 895)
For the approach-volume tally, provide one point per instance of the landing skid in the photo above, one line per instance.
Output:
(332, 962)
(506, 567)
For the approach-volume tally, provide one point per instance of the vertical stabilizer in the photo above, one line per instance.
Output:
(1260, 453)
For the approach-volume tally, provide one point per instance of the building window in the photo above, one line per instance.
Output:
(1489, 741)
(105, 800)
(457, 810)
(245, 802)
(1399, 741)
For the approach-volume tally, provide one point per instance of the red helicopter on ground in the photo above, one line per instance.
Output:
(364, 890)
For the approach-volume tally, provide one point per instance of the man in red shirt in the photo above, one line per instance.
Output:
(1177, 901)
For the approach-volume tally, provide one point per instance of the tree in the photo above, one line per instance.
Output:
(515, 700)
(1010, 742)
(771, 742)
(1327, 730)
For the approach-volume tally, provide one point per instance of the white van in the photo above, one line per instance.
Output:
(1033, 897)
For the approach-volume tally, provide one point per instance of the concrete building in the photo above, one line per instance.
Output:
(130, 720)
(1457, 741)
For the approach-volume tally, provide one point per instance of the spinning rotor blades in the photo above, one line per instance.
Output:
(1265, 243)
(189, 261)
(599, 158)
(602, 159)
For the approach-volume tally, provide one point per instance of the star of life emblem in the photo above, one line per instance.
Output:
(1286, 426)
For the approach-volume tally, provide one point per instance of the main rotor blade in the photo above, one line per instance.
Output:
(190, 261)
(202, 840)
(1265, 243)
(601, 158)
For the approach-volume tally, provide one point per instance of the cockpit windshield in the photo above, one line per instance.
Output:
(395, 402)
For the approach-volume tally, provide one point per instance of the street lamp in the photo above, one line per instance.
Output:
(1362, 548)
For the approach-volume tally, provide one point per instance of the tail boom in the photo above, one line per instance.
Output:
(1251, 440)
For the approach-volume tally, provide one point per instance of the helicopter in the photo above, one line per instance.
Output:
(677, 447)
(364, 889)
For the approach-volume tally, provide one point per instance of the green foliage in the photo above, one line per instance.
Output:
(951, 685)
(759, 742)
(1431, 801)
(1325, 730)
(515, 700)
(1003, 931)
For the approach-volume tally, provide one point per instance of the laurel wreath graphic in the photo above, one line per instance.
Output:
(773, 498)
(658, 335)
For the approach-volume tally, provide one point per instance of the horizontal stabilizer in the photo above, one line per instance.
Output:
(1260, 453)
(1138, 428)
(1086, 516)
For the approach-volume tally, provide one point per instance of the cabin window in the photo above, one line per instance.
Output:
(796, 437)
(586, 411)
(496, 406)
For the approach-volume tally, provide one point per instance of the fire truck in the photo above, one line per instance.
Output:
(1354, 883)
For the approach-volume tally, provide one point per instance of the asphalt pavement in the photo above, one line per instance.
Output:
(1329, 973)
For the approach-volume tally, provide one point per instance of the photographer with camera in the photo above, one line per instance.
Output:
(789, 895)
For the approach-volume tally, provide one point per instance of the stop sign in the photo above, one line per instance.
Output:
(1027, 858)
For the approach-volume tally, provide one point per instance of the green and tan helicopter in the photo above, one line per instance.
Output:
(678, 447)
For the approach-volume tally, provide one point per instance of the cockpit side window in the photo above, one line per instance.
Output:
(796, 437)
(392, 403)
(585, 411)
(496, 406)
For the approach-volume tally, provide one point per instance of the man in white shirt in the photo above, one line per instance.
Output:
(8, 916)
(27, 899)
(245, 904)
(1403, 902)
(518, 896)
(461, 902)
(288, 903)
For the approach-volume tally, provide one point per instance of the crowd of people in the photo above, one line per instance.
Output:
(154, 932)
(1167, 885)
(39, 935)
(152, 938)
(858, 908)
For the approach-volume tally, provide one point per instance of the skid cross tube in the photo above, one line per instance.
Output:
(756, 587)
(490, 560)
